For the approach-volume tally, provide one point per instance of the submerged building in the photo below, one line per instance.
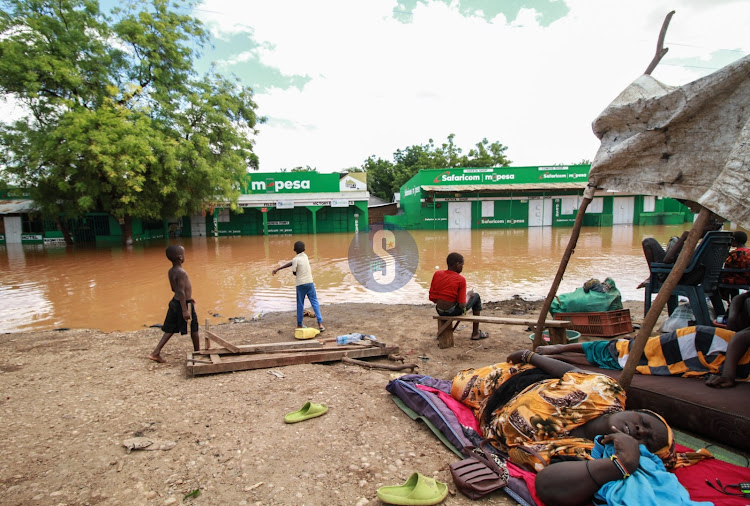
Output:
(519, 197)
(270, 203)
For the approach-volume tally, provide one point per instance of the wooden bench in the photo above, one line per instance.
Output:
(557, 334)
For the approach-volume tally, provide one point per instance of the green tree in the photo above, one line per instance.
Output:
(379, 177)
(118, 120)
(385, 178)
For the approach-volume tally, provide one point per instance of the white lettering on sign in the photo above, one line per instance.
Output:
(291, 185)
(460, 178)
(280, 185)
(499, 177)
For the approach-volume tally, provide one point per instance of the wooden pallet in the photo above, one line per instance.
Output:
(258, 356)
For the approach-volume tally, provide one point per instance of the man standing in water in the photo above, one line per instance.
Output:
(448, 292)
(305, 287)
(178, 313)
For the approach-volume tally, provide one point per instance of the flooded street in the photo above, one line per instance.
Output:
(112, 288)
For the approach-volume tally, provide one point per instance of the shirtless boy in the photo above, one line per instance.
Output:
(178, 313)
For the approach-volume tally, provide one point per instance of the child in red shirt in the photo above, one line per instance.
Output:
(448, 292)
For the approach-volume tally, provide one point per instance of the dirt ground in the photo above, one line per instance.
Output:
(70, 399)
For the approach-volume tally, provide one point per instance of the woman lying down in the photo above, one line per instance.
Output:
(547, 416)
(721, 355)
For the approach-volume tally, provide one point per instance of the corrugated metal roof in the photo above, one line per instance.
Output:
(17, 206)
(506, 187)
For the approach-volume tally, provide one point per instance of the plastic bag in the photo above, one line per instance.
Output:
(592, 301)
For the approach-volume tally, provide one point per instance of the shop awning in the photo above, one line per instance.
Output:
(17, 206)
(504, 188)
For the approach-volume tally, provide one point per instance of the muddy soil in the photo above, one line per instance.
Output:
(70, 399)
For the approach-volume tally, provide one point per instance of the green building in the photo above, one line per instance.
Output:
(515, 197)
(271, 203)
(289, 203)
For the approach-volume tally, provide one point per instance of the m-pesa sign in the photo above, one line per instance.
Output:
(503, 175)
(277, 186)
(290, 182)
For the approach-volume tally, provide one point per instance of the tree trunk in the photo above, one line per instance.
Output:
(63, 227)
(127, 231)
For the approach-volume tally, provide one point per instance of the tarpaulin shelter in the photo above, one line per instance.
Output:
(690, 143)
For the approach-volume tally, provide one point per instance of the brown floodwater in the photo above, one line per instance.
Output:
(114, 288)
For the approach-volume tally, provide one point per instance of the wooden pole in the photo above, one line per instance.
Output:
(588, 195)
(660, 49)
(639, 344)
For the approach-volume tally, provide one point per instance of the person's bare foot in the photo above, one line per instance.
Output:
(550, 349)
(643, 283)
(716, 381)
(157, 358)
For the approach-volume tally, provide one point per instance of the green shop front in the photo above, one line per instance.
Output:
(521, 197)
(292, 203)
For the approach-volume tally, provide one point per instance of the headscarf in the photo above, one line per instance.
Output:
(668, 455)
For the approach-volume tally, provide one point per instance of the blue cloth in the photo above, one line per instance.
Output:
(650, 484)
(599, 353)
(307, 290)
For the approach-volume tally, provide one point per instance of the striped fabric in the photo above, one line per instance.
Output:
(690, 351)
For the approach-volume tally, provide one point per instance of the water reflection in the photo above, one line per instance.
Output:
(124, 289)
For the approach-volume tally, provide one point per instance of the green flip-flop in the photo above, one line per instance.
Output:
(418, 489)
(309, 410)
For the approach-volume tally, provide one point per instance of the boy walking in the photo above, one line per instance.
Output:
(178, 313)
(305, 287)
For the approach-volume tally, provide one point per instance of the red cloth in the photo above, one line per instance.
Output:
(737, 259)
(464, 415)
(449, 286)
(694, 477)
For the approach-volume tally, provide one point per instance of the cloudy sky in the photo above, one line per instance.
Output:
(341, 80)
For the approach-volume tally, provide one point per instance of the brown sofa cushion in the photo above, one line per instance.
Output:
(722, 415)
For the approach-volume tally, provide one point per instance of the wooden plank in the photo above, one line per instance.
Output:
(265, 347)
(215, 359)
(248, 362)
(445, 333)
(222, 342)
(558, 336)
(206, 340)
(506, 321)
(190, 363)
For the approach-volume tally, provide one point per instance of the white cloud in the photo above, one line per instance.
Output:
(378, 85)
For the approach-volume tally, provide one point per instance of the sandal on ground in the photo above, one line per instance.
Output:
(418, 489)
(482, 335)
(309, 410)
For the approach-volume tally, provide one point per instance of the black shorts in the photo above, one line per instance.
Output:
(474, 302)
(174, 322)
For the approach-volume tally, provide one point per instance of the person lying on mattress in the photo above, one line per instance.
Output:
(545, 414)
(691, 351)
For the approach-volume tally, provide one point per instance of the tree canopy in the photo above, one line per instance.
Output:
(117, 118)
(384, 178)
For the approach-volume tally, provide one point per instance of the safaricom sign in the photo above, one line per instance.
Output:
(280, 185)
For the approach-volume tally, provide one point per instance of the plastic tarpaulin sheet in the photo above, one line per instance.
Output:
(690, 142)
